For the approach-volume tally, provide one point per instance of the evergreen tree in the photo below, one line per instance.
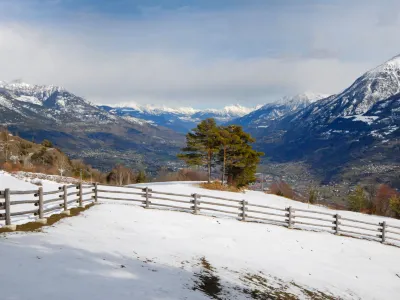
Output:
(239, 158)
(141, 177)
(225, 137)
(357, 199)
(201, 145)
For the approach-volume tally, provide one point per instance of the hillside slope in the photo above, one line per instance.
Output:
(121, 251)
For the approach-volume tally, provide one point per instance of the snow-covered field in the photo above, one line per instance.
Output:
(116, 250)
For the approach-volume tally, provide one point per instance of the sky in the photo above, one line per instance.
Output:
(197, 53)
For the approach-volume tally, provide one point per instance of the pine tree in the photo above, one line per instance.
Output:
(225, 137)
(239, 158)
(357, 199)
(141, 177)
(201, 145)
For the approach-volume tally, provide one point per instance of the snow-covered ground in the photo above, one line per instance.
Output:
(116, 250)
(19, 182)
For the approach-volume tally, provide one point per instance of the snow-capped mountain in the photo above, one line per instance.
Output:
(177, 119)
(375, 85)
(35, 94)
(263, 116)
(50, 104)
(81, 128)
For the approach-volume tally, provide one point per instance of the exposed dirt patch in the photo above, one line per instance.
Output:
(36, 226)
(207, 281)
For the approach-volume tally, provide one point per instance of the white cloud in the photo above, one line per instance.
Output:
(201, 59)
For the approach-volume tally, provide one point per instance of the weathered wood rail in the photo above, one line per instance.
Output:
(65, 197)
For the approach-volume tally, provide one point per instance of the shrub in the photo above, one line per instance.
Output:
(47, 144)
(7, 166)
(181, 175)
(312, 195)
(381, 201)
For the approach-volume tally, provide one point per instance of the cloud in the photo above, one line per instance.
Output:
(206, 58)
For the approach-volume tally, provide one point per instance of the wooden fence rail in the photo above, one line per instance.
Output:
(146, 197)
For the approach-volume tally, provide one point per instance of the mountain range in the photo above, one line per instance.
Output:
(180, 120)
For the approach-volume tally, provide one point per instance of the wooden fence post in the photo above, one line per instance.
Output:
(65, 200)
(7, 206)
(40, 194)
(383, 229)
(41, 207)
(195, 203)
(337, 223)
(80, 194)
(290, 217)
(95, 191)
(147, 197)
(243, 208)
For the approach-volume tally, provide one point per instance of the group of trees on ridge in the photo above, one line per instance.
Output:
(229, 147)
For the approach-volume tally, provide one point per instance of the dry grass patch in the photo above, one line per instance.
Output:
(218, 186)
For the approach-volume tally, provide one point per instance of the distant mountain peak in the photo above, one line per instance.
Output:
(18, 84)
(236, 110)
(390, 66)
(299, 100)
(262, 116)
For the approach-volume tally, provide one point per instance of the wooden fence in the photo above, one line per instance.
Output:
(290, 217)
(42, 203)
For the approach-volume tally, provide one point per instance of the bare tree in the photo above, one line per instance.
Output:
(14, 158)
(62, 165)
(120, 174)
(26, 160)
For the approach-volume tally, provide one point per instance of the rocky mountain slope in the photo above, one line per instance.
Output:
(270, 112)
(82, 129)
(180, 120)
(356, 128)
